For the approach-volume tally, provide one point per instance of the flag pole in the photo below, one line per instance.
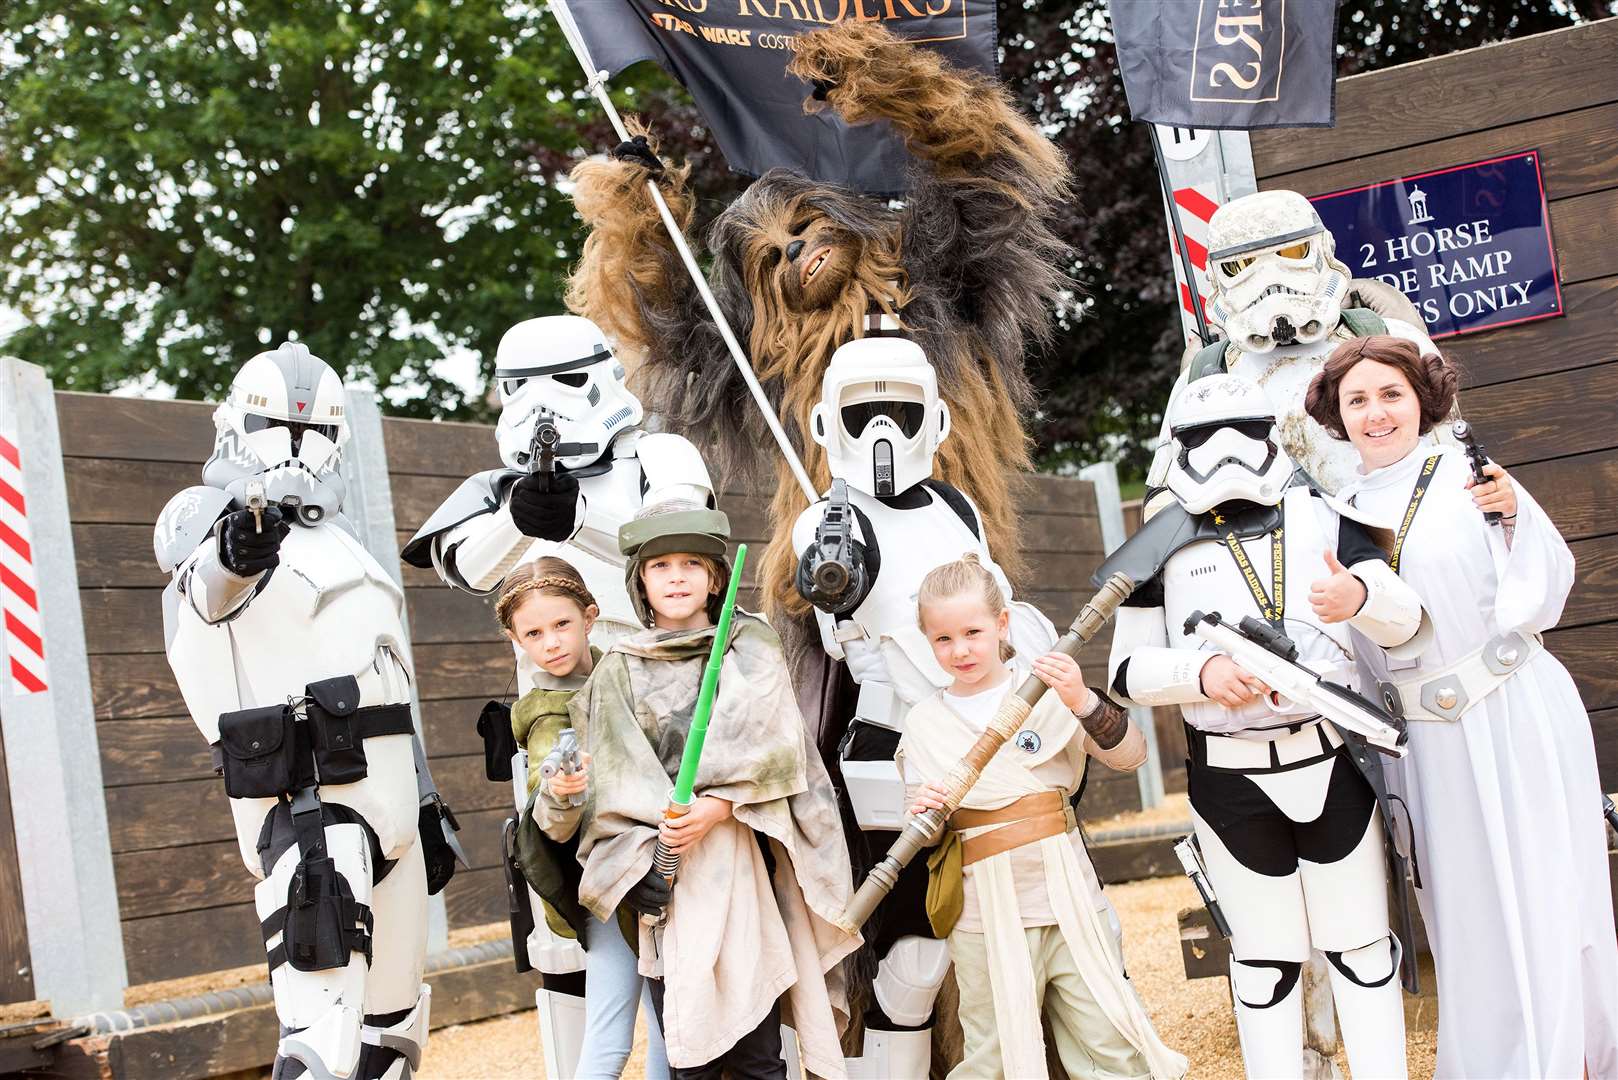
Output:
(1179, 236)
(596, 83)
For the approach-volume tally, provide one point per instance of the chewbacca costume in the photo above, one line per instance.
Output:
(971, 266)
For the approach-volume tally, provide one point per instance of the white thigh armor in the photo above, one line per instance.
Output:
(886, 652)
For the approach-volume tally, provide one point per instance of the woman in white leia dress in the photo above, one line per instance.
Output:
(1501, 780)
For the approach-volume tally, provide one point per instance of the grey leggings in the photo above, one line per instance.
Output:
(612, 990)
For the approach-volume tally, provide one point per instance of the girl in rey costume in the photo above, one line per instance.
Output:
(1501, 778)
(547, 611)
(1011, 883)
(744, 941)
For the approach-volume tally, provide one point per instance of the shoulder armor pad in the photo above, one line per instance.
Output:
(1210, 360)
(1143, 556)
(480, 493)
(669, 463)
(185, 522)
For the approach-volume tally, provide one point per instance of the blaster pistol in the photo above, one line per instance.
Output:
(547, 446)
(1478, 458)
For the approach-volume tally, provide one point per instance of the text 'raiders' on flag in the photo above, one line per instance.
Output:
(732, 57)
(1227, 63)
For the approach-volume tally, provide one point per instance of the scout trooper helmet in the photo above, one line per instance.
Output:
(282, 429)
(560, 365)
(1274, 277)
(880, 417)
(1226, 446)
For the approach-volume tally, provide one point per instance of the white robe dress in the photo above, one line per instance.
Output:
(1506, 801)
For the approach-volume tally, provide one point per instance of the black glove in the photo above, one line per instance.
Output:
(650, 895)
(639, 151)
(244, 548)
(545, 515)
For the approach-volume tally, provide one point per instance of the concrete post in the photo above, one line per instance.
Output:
(64, 852)
(368, 503)
(1110, 509)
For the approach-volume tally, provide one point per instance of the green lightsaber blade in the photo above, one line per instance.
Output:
(710, 686)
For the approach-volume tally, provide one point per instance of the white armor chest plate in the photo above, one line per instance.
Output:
(328, 609)
(1204, 577)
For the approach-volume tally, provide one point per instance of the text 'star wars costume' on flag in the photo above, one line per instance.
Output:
(1227, 63)
(732, 56)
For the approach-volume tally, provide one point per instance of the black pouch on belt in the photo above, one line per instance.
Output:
(338, 744)
(259, 751)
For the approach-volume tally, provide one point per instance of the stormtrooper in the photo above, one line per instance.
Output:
(559, 381)
(1284, 301)
(286, 639)
(863, 551)
(1289, 811)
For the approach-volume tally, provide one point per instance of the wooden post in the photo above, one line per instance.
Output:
(64, 855)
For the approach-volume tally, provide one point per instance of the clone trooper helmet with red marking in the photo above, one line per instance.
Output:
(1274, 276)
(282, 426)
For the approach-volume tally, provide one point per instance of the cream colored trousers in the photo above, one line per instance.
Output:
(1087, 1043)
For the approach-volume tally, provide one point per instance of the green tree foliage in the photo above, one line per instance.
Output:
(188, 180)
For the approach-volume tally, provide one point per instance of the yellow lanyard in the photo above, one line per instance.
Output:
(1422, 481)
(1271, 610)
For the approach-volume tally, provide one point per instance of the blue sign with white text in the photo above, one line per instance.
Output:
(1469, 245)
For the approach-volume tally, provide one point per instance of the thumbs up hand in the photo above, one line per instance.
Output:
(1338, 596)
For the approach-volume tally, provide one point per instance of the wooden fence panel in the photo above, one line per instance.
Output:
(1541, 394)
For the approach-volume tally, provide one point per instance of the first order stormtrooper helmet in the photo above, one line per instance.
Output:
(560, 365)
(1275, 278)
(1226, 446)
(282, 428)
(880, 417)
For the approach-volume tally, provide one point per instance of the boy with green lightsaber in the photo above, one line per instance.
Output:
(749, 941)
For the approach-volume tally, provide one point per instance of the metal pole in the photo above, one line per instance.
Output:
(596, 82)
(1179, 236)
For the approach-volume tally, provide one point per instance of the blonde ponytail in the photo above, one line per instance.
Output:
(965, 575)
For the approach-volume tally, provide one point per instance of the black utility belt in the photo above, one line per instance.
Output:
(276, 750)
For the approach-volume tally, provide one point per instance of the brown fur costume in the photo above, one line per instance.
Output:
(975, 267)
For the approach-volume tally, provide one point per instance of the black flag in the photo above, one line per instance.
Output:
(1228, 63)
(732, 56)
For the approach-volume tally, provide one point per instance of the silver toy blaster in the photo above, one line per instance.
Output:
(1270, 655)
(1189, 853)
(257, 503)
(564, 758)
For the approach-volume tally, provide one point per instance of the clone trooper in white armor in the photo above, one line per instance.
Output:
(559, 370)
(286, 639)
(1285, 301)
(1286, 817)
(863, 552)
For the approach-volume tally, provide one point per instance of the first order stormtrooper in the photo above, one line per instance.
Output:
(863, 552)
(286, 638)
(1284, 301)
(1288, 811)
(557, 375)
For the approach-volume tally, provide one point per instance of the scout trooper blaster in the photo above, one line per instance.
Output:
(1268, 654)
(831, 574)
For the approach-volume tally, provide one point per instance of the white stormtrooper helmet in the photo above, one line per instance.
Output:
(1274, 277)
(879, 416)
(282, 426)
(1226, 447)
(560, 364)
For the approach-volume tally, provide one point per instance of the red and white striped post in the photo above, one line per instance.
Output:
(64, 857)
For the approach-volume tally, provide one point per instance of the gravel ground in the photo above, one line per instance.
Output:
(1194, 1016)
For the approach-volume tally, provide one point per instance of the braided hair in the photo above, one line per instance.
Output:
(547, 576)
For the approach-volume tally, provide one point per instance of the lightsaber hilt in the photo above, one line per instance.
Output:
(666, 863)
(922, 830)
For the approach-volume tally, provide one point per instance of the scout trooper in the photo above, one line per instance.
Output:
(285, 637)
(559, 370)
(887, 523)
(1284, 812)
(1285, 302)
